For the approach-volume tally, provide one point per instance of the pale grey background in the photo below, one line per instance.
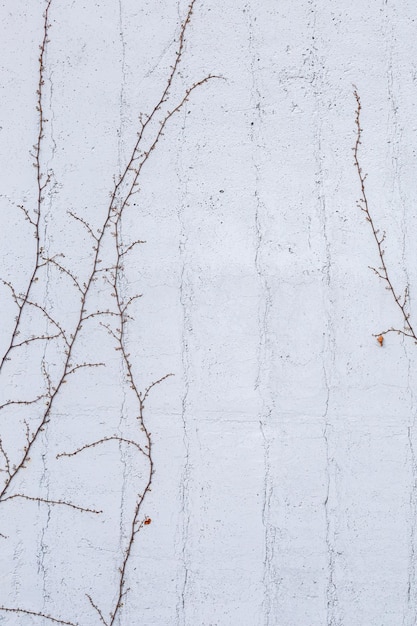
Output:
(285, 445)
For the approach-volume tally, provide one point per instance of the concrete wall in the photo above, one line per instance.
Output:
(283, 446)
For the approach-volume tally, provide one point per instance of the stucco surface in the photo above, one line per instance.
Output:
(284, 444)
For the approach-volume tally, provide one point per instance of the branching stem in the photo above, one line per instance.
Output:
(42, 182)
(382, 272)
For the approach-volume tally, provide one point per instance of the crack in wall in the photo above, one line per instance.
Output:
(17, 563)
(185, 291)
(396, 132)
(270, 580)
(331, 589)
(44, 482)
(51, 119)
(45, 479)
(123, 374)
(328, 346)
(122, 98)
(411, 618)
(398, 196)
(51, 298)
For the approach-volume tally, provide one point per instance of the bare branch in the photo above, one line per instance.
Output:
(129, 302)
(84, 223)
(132, 245)
(6, 458)
(47, 378)
(38, 148)
(100, 614)
(27, 402)
(27, 431)
(52, 502)
(157, 382)
(393, 330)
(64, 270)
(382, 272)
(100, 441)
(78, 367)
(49, 317)
(38, 614)
(98, 313)
(110, 330)
(40, 338)
(8, 284)
(27, 215)
(124, 188)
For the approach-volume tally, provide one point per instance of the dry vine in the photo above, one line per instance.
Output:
(382, 272)
(114, 319)
(42, 182)
(55, 620)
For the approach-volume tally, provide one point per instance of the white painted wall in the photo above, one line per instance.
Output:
(284, 446)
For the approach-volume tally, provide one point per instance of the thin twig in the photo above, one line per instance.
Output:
(52, 502)
(49, 317)
(97, 314)
(38, 614)
(78, 367)
(132, 245)
(41, 186)
(63, 270)
(100, 614)
(40, 338)
(27, 402)
(363, 204)
(6, 458)
(84, 223)
(157, 382)
(100, 441)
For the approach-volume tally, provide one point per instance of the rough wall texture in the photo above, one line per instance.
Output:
(283, 448)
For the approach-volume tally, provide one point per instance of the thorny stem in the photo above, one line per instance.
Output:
(113, 216)
(100, 614)
(36, 614)
(136, 523)
(53, 502)
(37, 306)
(123, 190)
(382, 271)
(120, 335)
(41, 186)
(97, 443)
